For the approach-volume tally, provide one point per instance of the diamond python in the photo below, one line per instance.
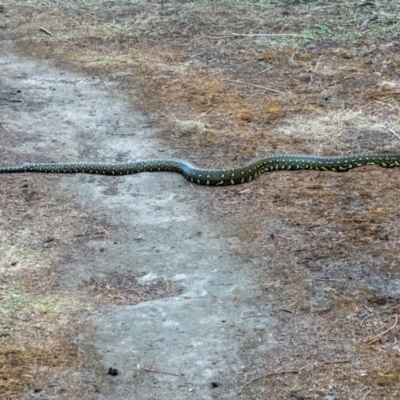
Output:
(215, 177)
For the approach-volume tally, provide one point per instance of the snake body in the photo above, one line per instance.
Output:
(215, 177)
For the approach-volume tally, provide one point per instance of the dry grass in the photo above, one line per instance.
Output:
(329, 241)
(37, 327)
(38, 322)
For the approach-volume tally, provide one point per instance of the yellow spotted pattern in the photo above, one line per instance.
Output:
(216, 177)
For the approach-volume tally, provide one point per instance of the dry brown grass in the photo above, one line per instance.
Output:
(38, 322)
(38, 327)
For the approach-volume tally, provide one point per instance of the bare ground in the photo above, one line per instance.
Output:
(319, 248)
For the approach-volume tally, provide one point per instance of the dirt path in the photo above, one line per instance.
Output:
(183, 346)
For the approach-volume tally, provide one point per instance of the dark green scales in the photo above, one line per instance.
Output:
(215, 177)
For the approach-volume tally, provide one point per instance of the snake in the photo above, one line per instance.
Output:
(217, 177)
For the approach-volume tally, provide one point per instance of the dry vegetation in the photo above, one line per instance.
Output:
(38, 321)
(327, 83)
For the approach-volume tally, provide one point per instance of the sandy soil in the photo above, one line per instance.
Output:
(149, 287)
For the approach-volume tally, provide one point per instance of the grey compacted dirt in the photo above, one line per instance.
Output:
(189, 345)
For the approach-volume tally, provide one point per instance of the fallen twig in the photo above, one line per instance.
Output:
(260, 34)
(285, 310)
(45, 31)
(158, 371)
(264, 70)
(377, 337)
(391, 131)
(252, 84)
(288, 371)
(316, 65)
(336, 362)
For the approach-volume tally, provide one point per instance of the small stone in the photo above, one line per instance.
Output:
(113, 372)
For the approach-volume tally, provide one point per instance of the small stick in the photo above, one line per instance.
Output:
(336, 362)
(158, 371)
(392, 131)
(285, 310)
(377, 337)
(316, 65)
(252, 84)
(289, 371)
(45, 31)
(264, 70)
(261, 34)
(327, 280)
